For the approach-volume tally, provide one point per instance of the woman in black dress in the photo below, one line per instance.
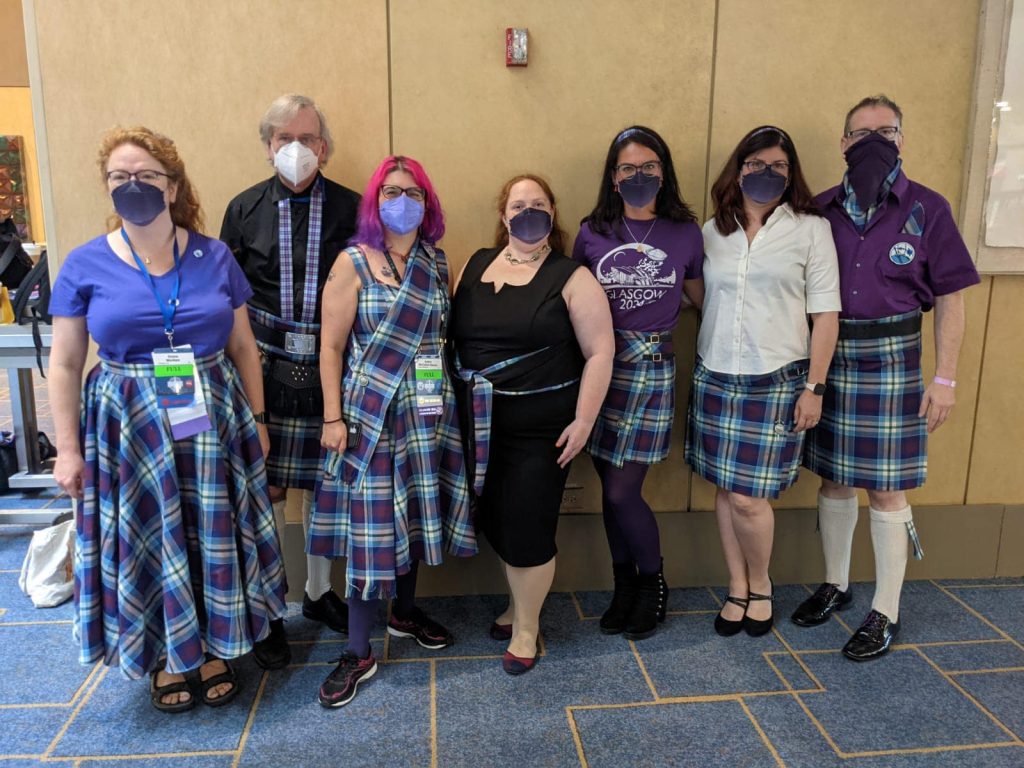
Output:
(534, 340)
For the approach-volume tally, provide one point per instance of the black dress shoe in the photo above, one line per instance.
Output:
(273, 652)
(758, 627)
(728, 627)
(328, 609)
(873, 639)
(818, 607)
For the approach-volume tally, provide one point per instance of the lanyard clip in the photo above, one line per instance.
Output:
(170, 338)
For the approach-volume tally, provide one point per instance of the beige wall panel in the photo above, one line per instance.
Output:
(474, 123)
(997, 460)
(203, 73)
(13, 63)
(801, 64)
(1011, 547)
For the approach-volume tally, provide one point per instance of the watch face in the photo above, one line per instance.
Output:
(819, 389)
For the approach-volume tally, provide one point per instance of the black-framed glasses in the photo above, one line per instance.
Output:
(781, 167)
(391, 191)
(650, 168)
(308, 140)
(888, 132)
(118, 178)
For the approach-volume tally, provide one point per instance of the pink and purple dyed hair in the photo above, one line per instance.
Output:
(370, 230)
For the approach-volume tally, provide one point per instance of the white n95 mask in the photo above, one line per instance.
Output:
(295, 162)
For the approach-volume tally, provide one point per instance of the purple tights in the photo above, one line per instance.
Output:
(628, 521)
(362, 614)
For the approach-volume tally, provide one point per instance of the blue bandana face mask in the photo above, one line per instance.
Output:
(530, 225)
(137, 202)
(401, 214)
(639, 190)
(763, 187)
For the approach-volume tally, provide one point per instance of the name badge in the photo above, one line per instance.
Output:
(902, 254)
(300, 343)
(179, 393)
(429, 378)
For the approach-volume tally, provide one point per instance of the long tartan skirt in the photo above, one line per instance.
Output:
(177, 553)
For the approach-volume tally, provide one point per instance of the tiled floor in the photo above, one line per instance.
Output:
(950, 694)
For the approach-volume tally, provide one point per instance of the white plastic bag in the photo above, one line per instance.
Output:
(46, 575)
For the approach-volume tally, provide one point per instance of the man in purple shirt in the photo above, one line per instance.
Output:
(900, 255)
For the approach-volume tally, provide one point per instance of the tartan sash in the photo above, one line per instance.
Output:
(372, 382)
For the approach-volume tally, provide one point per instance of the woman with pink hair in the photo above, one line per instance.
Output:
(394, 490)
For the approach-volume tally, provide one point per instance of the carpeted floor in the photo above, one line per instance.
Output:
(951, 694)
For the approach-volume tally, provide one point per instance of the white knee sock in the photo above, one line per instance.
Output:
(837, 519)
(280, 520)
(318, 569)
(890, 539)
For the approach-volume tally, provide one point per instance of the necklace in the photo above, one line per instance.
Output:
(174, 230)
(540, 253)
(639, 243)
(391, 270)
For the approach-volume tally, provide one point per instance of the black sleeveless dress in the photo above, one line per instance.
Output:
(518, 510)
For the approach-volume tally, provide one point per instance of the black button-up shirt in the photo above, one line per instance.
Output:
(250, 230)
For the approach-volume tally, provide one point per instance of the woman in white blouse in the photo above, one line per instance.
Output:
(770, 264)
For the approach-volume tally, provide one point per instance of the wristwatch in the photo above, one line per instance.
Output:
(260, 418)
(815, 389)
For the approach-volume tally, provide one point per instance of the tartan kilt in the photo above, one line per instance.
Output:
(740, 429)
(176, 551)
(411, 503)
(870, 435)
(635, 422)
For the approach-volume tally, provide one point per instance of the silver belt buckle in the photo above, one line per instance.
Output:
(300, 343)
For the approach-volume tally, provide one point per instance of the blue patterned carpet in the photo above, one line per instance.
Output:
(950, 694)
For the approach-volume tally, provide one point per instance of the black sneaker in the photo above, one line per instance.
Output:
(873, 639)
(427, 632)
(823, 603)
(328, 609)
(341, 685)
(273, 652)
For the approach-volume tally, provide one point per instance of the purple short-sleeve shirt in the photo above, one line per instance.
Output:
(122, 314)
(909, 253)
(644, 287)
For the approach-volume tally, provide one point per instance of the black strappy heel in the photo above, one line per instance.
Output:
(758, 627)
(727, 628)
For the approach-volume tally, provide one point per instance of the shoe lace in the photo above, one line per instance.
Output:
(825, 592)
(874, 623)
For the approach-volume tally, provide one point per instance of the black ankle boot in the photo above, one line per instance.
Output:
(650, 606)
(616, 617)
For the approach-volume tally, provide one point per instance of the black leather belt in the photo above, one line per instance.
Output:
(659, 338)
(880, 330)
(269, 336)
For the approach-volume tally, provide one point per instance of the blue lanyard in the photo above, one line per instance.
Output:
(167, 308)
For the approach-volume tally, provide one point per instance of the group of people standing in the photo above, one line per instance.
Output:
(322, 344)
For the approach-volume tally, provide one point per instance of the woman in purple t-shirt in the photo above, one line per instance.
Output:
(643, 244)
(177, 562)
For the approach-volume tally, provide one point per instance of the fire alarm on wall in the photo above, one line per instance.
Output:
(515, 46)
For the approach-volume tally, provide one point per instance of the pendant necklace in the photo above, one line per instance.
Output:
(640, 244)
(544, 250)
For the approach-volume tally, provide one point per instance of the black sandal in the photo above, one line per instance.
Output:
(157, 693)
(726, 627)
(758, 627)
(228, 676)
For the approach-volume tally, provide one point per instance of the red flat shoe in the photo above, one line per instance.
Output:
(519, 665)
(500, 631)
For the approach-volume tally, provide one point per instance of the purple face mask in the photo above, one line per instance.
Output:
(868, 162)
(137, 202)
(763, 187)
(401, 214)
(531, 225)
(639, 190)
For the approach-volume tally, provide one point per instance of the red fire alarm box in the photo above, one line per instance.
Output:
(515, 47)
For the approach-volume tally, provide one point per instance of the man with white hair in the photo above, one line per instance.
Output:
(286, 232)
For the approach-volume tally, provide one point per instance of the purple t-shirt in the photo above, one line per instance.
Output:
(641, 267)
(910, 252)
(121, 312)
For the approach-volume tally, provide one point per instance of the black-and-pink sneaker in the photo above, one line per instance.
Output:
(427, 632)
(341, 685)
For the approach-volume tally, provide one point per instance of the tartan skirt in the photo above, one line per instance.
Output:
(176, 551)
(870, 435)
(740, 429)
(635, 422)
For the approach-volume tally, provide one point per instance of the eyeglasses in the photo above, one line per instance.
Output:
(781, 167)
(390, 192)
(118, 178)
(308, 140)
(650, 168)
(889, 132)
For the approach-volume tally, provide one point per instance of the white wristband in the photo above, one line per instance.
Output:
(945, 382)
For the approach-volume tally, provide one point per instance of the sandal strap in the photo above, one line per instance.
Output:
(740, 601)
(159, 691)
(227, 676)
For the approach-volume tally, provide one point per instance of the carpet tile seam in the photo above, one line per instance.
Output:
(575, 731)
(250, 719)
(760, 732)
(578, 605)
(991, 671)
(980, 616)
(796, 657)
(433, 714)
(62, 732)
(643, 670)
